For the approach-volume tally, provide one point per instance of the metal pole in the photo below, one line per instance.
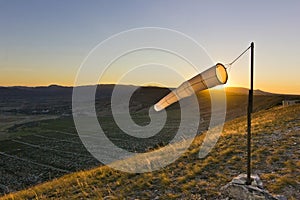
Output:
(250, 108)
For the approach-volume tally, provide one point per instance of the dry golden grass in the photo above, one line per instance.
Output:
(275, 158)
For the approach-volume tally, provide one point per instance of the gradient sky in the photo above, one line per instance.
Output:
(44, 42)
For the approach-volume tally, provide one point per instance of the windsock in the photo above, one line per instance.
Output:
(211, 77)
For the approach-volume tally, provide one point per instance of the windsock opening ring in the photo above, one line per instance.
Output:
(221, 73)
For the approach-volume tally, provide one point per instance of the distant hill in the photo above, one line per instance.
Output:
(103, 90)
(245, 91)
(58, 90)
(58, 99)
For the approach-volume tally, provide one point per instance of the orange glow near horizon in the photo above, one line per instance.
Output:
(289, 89)
(33, 76)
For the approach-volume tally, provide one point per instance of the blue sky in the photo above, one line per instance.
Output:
(44, 42)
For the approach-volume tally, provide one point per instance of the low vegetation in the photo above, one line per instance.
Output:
(275, 158)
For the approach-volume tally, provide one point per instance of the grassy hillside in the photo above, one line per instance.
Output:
(275, 158)
(35, 150)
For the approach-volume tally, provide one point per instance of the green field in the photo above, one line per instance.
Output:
(39, 151)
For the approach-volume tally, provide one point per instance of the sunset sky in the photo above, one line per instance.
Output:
(45, 42)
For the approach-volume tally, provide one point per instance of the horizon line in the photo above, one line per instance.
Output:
(132, 85)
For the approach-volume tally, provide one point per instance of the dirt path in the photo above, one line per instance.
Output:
(48, 149)
(35, 163)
